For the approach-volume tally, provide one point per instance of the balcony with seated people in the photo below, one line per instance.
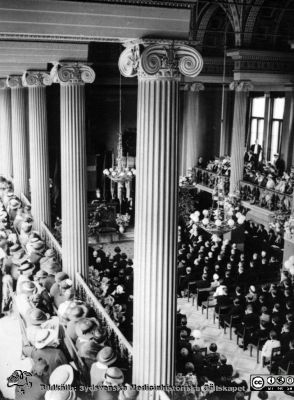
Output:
(67, 336)
(207, 175)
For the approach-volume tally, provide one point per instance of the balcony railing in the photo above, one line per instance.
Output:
(25, 201)
(268, 199)
(51, 241)
(121, 344)
(209, 179)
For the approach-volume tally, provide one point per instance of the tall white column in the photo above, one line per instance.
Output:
(190, 135)
(6, 161)
(72, 79)
(239, 131)
(19, 136)
(36, 82)
(159, 68)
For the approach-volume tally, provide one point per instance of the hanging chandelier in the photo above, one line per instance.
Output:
(120, 172)
(225, 214)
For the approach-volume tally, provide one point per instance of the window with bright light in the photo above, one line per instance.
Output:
(257, 120)
(268, 134)
(278, 106)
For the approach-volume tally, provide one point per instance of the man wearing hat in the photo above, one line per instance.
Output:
(54, 357)
(59, 277)
(12, 208)
(105, 358)
(62, 375)
(88, 352)
(51, 267)
(59, 296)
(49, 254)
(87, 329)
(26, 271)
(75, 314)
(25, 230)
(18, 220)
(113, 377)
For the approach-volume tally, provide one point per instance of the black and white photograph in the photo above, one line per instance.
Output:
(146, 199)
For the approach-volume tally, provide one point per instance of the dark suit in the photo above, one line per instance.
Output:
(285, 340)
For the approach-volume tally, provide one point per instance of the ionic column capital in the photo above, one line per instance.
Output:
(3, 83)
(72, 73)
(157, 61)
(14, 82)
(241, 86)
(193, 87)
(36, 79)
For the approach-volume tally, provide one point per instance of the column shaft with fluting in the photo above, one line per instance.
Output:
(159, 68)
(239, 132)
(19, 136)
(73, 166)
(6, 161)
(156, 232)
(190, 136)
(38, 145)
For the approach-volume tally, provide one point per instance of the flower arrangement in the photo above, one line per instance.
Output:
(123, 220)
(186, 180)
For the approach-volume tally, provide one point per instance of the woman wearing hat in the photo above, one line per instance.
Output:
(105, 358)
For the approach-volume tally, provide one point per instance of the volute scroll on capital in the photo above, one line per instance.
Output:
(3, 83)
(36, 79)
(72, 73)
(14, 82)
(160, 61)
(241, 86)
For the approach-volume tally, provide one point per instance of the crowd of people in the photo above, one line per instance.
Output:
(203, 367)
(51, 316)
(205, 263)
(249, 294)
(111, 280)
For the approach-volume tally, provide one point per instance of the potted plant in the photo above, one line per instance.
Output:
(122, 221)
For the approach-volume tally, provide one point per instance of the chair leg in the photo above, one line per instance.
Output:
(251, 348)
(207, 312)
(193, 299)
(201, 309)
(219, 322)
(197, 302)
(230, 333)
(257, 355)
(188, 294)
(225, 329)
(213, 317)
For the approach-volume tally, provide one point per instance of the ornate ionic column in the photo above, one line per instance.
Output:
(72, 79)
(5, 131)
(36, 82)
(190, 134)
(239, 130)
(19, 136)
(159, 68)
